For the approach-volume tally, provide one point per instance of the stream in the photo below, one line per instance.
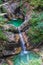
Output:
(23, 47)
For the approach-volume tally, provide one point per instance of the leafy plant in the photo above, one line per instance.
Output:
(36, 3)
(35, 31)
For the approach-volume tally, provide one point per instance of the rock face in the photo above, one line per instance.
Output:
(26, 40)
(11, 45)
(12, 37)
(17, 38)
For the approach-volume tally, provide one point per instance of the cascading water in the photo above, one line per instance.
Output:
(22, 43)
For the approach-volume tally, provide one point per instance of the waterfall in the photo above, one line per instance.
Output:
(22, 43)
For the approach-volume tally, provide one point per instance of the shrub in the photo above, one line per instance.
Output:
(36, 3)
(35, 31)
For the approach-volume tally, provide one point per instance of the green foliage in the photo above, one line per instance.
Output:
(2, 38)
(4, 64)
(36, 3)
(1, 2)
(2, 20)
(36, 18)
(3, 10)
(36, 28)
(2, 35)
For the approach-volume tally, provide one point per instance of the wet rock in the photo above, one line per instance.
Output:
(17, 50)
(8, 26)
(26, 40)
(17, 38)
(36, 50)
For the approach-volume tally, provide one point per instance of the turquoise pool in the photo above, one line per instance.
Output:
(16, 23)
(30, 58)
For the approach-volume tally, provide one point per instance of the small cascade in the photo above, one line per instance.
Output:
(22, 43)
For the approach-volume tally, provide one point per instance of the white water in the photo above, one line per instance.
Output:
(22, 43)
